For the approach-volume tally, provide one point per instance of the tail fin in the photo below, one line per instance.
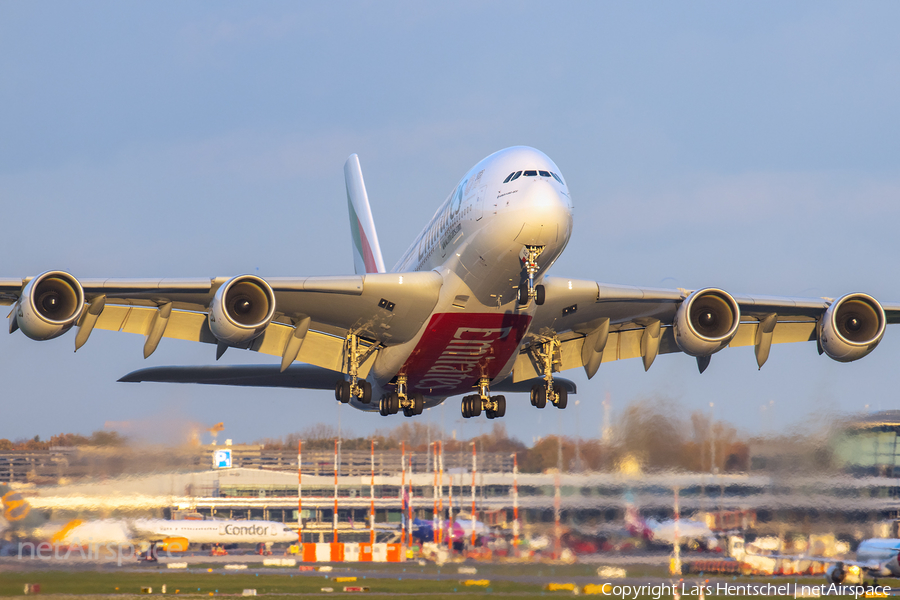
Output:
(366, 250)
(16, 510)
(634, 522)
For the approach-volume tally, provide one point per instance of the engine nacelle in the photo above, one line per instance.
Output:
(50, 304)
(174, 544)
(241, 310)
(836, 573)
(706, 321)
(851, 327)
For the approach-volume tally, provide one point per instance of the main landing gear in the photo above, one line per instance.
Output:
(529, 291)
(548, 356)
(494, 406)
(354, 388)
(411, 404)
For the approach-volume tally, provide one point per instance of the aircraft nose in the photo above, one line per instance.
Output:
(547, 213)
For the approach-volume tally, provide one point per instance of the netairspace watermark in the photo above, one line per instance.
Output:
(114, 550)
(705, 590)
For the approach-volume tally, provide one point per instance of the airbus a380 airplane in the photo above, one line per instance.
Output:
(468, 309)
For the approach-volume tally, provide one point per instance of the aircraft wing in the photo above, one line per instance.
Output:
(381, 308)
(639, 321)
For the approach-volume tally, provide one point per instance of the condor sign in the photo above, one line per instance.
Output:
(252, 530)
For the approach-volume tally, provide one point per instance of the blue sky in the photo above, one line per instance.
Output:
(751, 146)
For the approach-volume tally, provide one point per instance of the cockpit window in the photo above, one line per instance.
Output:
(516, 176)
(530, 173)
(556, 177)
(544, 173)
(512, 176)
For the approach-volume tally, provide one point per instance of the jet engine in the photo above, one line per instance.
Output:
(836, 573)
(50, 304)
(706, 321)
(851, 327)
(241, 310)
(174, 544)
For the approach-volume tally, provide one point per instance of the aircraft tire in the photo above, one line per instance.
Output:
(419, 403)
(476, 405)
(366, 391)
(501, 407)
(395, 403)
(337, 390)
(534, 393)
(522, 295)
(344, 392)
(540, 396)
(464, 407)
(562, 396)
(540, 295)
(490, 414)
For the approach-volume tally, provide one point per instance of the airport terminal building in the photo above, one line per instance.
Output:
(855, 502)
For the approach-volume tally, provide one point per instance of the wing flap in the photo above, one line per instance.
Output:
(319, 349)
(626, 343)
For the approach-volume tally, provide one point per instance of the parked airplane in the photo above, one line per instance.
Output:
(469, 306)
(22, 521)
(686, 531)
(875, 557)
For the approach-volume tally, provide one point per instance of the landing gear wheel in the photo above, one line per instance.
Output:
(540, 396)
(393, 404)
(381, 407)
(534, 393)
(464, 407)
(562, 396)
(418, 404)
(407, 412)
(490, 413)
(337, 390)
(522, 295)
(501, 406)
(540, 295)
(343, 392)
(366, 392)
(476, 405)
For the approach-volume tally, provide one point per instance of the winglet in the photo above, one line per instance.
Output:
(366, 250)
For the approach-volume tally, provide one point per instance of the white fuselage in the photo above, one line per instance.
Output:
(881, 550)
(476, 241)
(196, 532)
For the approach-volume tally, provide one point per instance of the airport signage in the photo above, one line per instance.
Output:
(222, 459)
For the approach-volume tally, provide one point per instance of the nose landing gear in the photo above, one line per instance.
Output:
(494, 406)
(530, 291)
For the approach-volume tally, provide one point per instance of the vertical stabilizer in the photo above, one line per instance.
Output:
(366, 250)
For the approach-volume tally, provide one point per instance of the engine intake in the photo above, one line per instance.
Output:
(836, 573)
(241, 309)
(851, 327)
(50, 305)
(706, 321)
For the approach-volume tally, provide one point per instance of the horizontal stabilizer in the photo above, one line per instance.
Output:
(524, 386)
(296, 376)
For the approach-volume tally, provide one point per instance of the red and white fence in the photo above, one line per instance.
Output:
(351, 552)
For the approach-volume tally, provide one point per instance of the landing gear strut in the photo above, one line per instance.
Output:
(548, 356)
(494, 406)
(412, 404)
(354, 388)
(531, 291)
